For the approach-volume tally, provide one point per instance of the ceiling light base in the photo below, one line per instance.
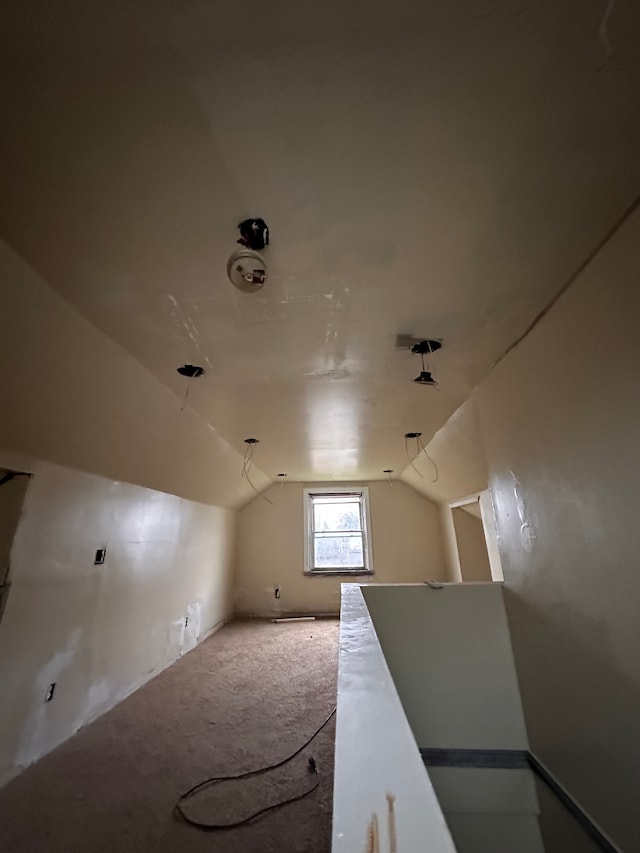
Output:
(425, 378)
(192, 371)
(426, 346)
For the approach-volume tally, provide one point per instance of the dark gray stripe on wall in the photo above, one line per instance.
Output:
(510, 759)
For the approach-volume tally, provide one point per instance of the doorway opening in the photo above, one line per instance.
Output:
(13, 485)
(475, 537)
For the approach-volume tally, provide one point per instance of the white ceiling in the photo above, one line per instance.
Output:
(432, 168)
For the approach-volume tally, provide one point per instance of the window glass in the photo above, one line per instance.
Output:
(336, 514)
(338, 552)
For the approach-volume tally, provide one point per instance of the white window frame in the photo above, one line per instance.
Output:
(367, 550)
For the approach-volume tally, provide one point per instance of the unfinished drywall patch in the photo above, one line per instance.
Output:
(38, 732)
(527, 535)
(191, 627)
(99, 697)
(100, 631)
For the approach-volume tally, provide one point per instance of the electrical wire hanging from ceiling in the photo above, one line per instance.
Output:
(248, 454)
(186, 394)
(406, 450)
(191, 371)
(247, 461)
(420, 448)
(435, 467)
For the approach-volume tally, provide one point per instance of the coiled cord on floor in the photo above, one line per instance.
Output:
(215, 780)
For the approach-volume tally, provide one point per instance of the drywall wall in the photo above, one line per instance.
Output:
(488, 518)
(11, 497)
(449, 653)
(99, 631)
(459, 456)
(72, 396)
(472, 546)
(405, 537)
(449, 544)
(560, 420)
(458, 453)
(491, 811)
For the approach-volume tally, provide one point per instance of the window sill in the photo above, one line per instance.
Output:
(320, 573)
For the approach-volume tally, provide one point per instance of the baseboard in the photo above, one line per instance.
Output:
(213, 630)
(288, 614)
(584, 819)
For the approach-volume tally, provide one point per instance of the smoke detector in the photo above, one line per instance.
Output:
(247, 270)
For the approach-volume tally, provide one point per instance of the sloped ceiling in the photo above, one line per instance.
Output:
(431, 168)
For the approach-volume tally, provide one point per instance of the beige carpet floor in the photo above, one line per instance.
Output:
(248, 696)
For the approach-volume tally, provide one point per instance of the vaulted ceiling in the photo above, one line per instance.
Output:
(435, 169)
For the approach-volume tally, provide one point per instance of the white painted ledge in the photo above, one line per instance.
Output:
(375, 749)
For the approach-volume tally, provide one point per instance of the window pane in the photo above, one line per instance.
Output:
(338, 552)
(336, 515)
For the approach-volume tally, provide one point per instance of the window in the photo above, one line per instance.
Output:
(337, 531)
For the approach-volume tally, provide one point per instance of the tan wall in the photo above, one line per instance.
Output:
(449, 544)
(459, 455)
(71, 396)
(472, 546)
(450, 656)
(101, 631)
(270, 549)
(560, 418)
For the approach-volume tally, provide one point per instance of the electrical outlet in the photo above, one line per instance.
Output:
(186, 621)
(276, 592)
(100, 557)
(49, 694)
